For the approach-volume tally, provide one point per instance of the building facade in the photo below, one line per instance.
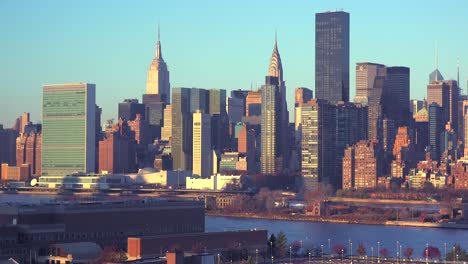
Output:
(68, 128)
(158, 76)
(332, 56)
(201, 144)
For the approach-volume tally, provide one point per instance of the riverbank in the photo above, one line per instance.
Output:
(303, 218)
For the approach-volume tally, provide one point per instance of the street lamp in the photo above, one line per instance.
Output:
(271, 259)
(457, 259)
(290, 254)
(427, 253)
(342, 253)
(309, 257)
(378, 252)
(271, 249)
(219, 261)
(329, 248)
(397, 249)
(256, 256)
(445, 252)
(351, 252)
(400, 251)
(372, 258)
(321, 246)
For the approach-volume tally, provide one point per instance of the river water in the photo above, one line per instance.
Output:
(317, 233)
(312, 234)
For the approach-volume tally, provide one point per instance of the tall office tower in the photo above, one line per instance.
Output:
(301, 96)
(271, 159)
(403, 151)
(318, 134)
(462, 111)
(276, 70)
(219, 119)
(370, 80)
(389, 131)
(415, 106)
(24, 121)
(253, 104)
(247, 146)
(185, 101)
(8, 146)
(158, 76)
(29, 147)
(99, 135)
(201, 144)
(448, 145)
(465, 132)
(332, 56)
(68, 128)
(154, 113)
(421, 133)
(129, 108)
(241, 95)
(117, 149)
(166, 131)
(361, 165)
(351, 126)
(445, 94)
(235, 109)
(436, 127)
(397, 95)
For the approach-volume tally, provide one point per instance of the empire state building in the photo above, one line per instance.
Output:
(158, 75)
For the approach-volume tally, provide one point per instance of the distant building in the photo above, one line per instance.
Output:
(332, 56)
(154, 113)
(253, 104)
(129, 108)
(29, 148)
(228, 161)
(436, 127)
(445, 94)
(166, 131)
(24, 121)
(8, 146)
(215, 182)
(361, 165)
(16, 173)
(318, 135)
(302, 95)
(416, 106)
(158, 76)
(68, 128)
(117, 150)
(201, 144)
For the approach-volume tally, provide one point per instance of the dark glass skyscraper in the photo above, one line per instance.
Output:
(332, 56)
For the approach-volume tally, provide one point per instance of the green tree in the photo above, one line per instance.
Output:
(457, 250)
(281, 243)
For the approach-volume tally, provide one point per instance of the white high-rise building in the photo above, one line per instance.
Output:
(201, 149)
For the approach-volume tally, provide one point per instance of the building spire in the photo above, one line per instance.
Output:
(158, 46)
(276, 67)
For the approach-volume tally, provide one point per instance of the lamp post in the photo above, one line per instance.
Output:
(309, 257)
(400, 252)
(290, 254)
(427, 253)
(453, 254)
(378, 252)
(372, 256)
(351, 252)
(321, 246)
(457, 259)
(271, 250)
(219, 260)
(397, 249)
(445, 252)
(329, 248)
(342, 254)
(271, 259)
(256, 256)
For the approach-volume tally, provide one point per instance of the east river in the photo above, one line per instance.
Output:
(315, 234)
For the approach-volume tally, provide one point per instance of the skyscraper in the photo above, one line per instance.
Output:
(129, 108)
(271, 160)
(68, 128)
(332, 56)
(397, 95)
(181, 129)
(436, 127)
(29, 148)
(445, 94)
(166, 131)
(317, 143)
(158, 75)
(201, 144)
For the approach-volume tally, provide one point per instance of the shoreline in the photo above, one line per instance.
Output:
(336, 221)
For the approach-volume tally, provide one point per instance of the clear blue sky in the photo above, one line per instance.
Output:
(210, 44)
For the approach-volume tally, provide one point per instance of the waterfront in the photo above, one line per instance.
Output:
(318, 233)
(311, 233)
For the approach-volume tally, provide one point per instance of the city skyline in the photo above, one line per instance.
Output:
(117, 61)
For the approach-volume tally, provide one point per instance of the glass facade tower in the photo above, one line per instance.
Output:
(68, 128)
